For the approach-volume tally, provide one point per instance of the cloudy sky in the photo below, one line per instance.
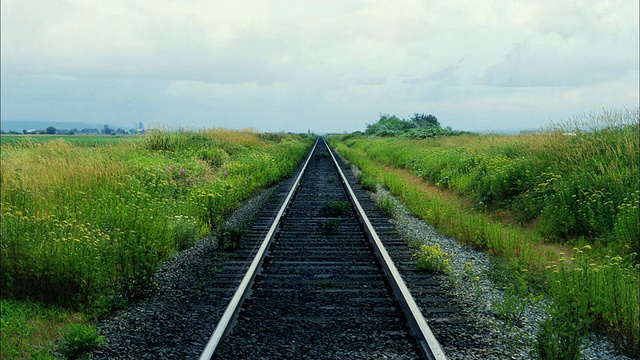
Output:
(325, 66)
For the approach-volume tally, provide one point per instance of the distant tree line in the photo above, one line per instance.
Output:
(106, 130)
(418, 126)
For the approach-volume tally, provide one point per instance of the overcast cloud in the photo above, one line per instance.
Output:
(327, 66)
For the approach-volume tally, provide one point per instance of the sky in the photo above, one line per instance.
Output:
(324, 66)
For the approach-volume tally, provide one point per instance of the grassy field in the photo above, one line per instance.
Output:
(80, 140)
(86, 221)
(560, 204)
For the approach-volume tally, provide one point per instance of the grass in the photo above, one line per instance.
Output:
(84, 227)
(29, 329)
(335, 208)
(80, 140)
(527, 198)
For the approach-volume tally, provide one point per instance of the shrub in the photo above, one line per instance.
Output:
(79, 339)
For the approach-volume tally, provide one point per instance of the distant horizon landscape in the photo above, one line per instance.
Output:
(20, 125)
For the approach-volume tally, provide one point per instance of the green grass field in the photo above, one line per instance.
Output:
(80, 140)
(86, 221)
(562, 204)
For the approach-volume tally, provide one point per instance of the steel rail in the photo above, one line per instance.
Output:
(429, 345)
(236, 301)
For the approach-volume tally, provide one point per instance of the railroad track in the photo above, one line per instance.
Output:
(318, 279)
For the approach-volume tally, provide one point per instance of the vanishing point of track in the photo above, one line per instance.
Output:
(321, 283)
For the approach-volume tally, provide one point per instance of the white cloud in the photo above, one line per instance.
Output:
(554, 60)
(348, 57)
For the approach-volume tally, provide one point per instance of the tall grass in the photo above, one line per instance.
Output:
(563, 185)
(571, 183)
(86, 227)
(28, 330)
(590, 293)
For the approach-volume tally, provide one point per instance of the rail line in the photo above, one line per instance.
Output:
(315, 288)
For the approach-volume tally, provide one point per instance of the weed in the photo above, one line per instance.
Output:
(185, 232)
(335, 208)
(330, 226)
(386, 204)
(368, 183)
(559, 344)
(229, 237)
(324, 284)
(593, 295)
(78, 340)
(321, 155)
(432, 259)
(513, 304)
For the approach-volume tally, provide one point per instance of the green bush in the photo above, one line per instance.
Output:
(78, 340)
(580, 208)
(591, 294)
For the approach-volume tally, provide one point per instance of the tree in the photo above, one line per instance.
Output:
(388, 125)
(107, 130)
(422, 120)
(51, 130)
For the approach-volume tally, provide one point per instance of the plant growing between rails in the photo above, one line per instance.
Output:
(330, 226)
(325, 284)
(335, 208)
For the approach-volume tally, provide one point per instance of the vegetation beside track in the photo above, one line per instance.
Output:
(85, 224)
(560, 207)
(80, 140)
